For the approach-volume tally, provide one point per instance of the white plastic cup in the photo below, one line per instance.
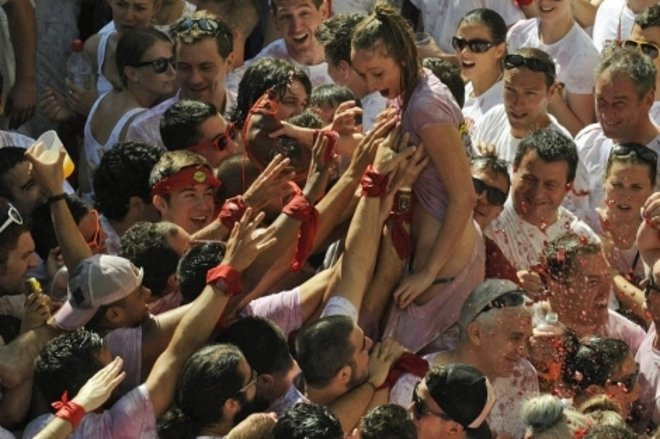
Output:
(50, 153)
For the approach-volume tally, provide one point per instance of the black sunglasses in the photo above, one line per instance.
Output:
(642, 152)
(534, 64)
(476, 46)
(495, 196)
(159, 65)
(510, 299)
(201, 23)
(419, 407)
(648, 49)
(627, 383)
(650, 286)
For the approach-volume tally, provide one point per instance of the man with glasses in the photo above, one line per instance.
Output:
(452, 401)
(544, 168)
(495, 325)
(625, 92)
(203, 47)
(645, 37)
(198, 127)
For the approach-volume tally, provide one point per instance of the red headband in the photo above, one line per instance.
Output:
(188, 176)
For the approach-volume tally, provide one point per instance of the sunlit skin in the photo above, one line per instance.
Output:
(649, 35)
(344, 74)
(538, 189)
(13, 272)
(485, 212)
(190, 207)
(132, 14)
(360, 361)
(296, 20)
(623, 114)
(293, 102)
(526, 99)
(381, 72)
(201, 71)
(156, 84)
(482, 69)
(209, 130)
(554, 11)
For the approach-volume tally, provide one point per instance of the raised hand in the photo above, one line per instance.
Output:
(272, 182)
(245, 242)
(99, 387)
(49, 175)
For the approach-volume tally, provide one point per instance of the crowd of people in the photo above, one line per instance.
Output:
(330, 219)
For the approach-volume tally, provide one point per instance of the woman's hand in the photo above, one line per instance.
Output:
(411, 288)
(98, 389)
(55, 106)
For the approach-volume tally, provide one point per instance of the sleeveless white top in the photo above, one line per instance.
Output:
(103, 85)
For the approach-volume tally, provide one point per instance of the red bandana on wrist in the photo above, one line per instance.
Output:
(373, 184)
(69, 410)
(301, 209)
(228, 277)
(232, 211)
(401, 213)
(186, 177)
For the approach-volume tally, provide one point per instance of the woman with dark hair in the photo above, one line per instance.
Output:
(146, 62)
(216, 390)
(480, 44)
(598, 365)
(448, 256)
(290, 84)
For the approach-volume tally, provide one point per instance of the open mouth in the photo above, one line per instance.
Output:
(300, 38)
(199, 221)
(385, 92)
(467, 64)
(516, 115)
(546, 9)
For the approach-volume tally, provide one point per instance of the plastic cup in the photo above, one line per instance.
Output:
(50, 153)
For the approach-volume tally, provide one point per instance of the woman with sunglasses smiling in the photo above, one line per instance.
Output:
(630, 178)
(146, 61)
(480, 45)
(556, 32)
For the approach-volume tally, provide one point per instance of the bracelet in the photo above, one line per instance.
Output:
(56, 198)
(301, 209)
(232, 211)
(225, 277)
(69, 410)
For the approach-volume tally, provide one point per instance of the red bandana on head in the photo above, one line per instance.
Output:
(189, 176)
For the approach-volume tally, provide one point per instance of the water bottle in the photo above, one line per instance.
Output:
(79, 71)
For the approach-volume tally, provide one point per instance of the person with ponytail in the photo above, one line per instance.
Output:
(216, 390)
(448, 252)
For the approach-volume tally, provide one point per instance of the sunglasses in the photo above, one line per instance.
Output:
(648, 49)
(95, 243)
(220, 141)
(643, 153)
(627, 383)
(250, 383)
(159, 65)
(650, 286)
(419, 407)
(13, 217)
(533, 64)
(495, 196)
(476, 46)
(510, 299)
(200, 23)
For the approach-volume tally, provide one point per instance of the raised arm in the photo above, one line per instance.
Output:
(22, 97)
(198, 323)
(50, 177)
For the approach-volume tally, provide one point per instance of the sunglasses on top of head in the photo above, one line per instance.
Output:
(536, 65)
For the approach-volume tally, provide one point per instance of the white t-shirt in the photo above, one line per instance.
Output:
(614, 21)
(648, 359)
(372, 105)
(594, 150)
(522, 243)
(441, 17)
(318, 73)
(494, 129)
(575, 55)
(655, 113)
(12, 138)
(476, 107)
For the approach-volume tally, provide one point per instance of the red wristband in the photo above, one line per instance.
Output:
(332, 142)
(227, 278)
(301, 209)
(401, 213)
(232, 211)
(373, 183)
(69, 410)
